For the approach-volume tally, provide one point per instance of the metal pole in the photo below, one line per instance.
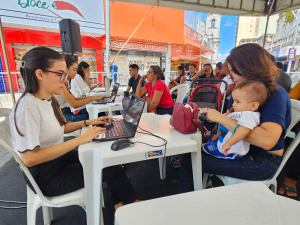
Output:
(295, 39)
(7, 64)
(107, 50)
(200, 60)
(266, 30)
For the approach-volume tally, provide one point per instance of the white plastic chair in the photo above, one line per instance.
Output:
(272, 182)
(34, 201)
(183, 90)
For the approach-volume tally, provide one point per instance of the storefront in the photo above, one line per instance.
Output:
(141, 53)
(281, 54)
(19, 41)
(190, 51)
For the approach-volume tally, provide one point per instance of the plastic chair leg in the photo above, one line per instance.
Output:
(204, 180)
(32, 206)
(47, 215)
(162, 167)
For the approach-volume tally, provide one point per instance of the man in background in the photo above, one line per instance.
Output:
(283, 79)
(135, 77)
(219, 72)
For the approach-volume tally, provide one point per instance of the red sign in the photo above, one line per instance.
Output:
(136, 46)
(192, 36)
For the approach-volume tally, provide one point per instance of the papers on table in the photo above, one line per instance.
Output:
(113, 104)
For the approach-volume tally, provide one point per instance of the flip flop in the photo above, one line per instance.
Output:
(290, 189)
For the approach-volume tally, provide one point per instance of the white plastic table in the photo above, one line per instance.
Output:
(96, 156)
(94, 109)
(248, 203)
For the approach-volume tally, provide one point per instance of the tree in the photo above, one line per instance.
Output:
(289, 17)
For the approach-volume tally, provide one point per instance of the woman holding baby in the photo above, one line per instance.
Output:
(246, 63)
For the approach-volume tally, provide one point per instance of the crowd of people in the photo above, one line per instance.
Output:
(249, 146)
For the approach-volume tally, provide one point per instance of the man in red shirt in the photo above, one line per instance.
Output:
(219, 72)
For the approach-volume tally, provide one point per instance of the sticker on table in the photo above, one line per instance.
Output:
(154, 153)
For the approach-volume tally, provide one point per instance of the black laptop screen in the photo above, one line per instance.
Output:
(115, 89)
(134, 111)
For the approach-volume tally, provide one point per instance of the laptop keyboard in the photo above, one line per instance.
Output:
(117, 129)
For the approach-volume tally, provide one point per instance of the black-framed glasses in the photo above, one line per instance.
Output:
(62, 75)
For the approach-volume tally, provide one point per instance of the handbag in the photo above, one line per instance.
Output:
(184, 119)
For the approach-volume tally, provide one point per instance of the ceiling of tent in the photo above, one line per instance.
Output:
(224, 7)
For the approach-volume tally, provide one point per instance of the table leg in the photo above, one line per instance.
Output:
(162, 167)
(93, 188)
(197, 163)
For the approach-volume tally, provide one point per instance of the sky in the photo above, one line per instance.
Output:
(227, 31)
(227, 36)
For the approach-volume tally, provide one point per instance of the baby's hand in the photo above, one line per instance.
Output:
(215, 137)
(225, 149)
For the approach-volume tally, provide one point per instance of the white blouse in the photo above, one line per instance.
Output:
(36, 121)
(79, 86)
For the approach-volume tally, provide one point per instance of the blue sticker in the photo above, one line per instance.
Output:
(154, 153)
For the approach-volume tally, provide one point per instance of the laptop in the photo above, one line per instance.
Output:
(126, 127)
(112, 96)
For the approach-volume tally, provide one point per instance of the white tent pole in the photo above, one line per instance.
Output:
(295, 39)
(7, 64)
(107, 49)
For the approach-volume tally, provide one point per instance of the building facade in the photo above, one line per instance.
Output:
(213, 23)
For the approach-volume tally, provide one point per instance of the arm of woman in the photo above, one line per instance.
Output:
(72, 126)
(265, 136)
(141, 91)
(196, 76)
(183, 79)
(155, 100)
(77, 103)
(42, 155)
(229, 89)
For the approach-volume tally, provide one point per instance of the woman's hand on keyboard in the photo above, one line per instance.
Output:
(101, 120)
(91, 134)
(98, 97)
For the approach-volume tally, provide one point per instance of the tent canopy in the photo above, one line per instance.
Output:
(224, 7)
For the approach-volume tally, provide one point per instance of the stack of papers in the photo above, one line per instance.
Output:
(99, 89)
(112, 104)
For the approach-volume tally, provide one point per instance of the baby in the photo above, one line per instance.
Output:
(248, 97)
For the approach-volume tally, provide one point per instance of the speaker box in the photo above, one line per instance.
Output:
(70, 37)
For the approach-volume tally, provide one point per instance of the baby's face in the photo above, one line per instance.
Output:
(241, 101)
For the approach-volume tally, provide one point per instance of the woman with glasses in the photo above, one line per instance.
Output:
(38, 126)
(158, 97)
(67, 100)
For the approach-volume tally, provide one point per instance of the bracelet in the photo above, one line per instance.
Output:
(235, 128)
(85, 123)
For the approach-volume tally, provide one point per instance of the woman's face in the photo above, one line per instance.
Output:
(179, 71)
(72, 71)
(151, 76)
(207, 70)
(86, 70)
(50, 82)
(236, 78)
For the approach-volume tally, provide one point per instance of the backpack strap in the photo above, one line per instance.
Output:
(202, 129)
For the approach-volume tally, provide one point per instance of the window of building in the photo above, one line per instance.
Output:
(213, 23)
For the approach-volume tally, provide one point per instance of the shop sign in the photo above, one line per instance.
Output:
(193, 36)
(136, 46)
(175, 58)
(34, 13)
(275, 52)
(292, 54)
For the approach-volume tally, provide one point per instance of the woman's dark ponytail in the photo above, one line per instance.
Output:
(38, 58)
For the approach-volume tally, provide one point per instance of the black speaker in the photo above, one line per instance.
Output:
(70, 37)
